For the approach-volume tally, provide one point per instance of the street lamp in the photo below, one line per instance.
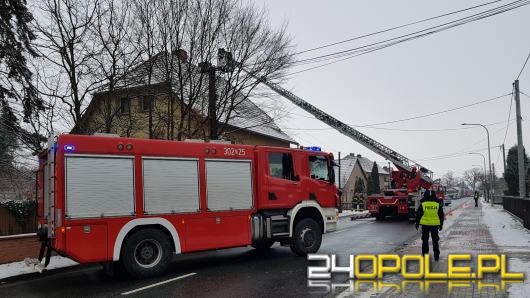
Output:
(488, 197)
(489, 153)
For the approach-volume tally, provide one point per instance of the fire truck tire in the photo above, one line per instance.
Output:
(307, 237)
(263, 244)
(146, 253)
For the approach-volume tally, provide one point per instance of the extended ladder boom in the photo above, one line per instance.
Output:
(226, 61)
(399, 160)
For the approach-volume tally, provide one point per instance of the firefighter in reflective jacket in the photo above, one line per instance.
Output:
(430, 216)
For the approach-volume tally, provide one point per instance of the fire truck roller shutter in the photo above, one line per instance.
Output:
(229, 184)
(99, 186)
(171, 185)
(139, 222)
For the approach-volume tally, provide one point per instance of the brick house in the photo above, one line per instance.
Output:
(144, 106)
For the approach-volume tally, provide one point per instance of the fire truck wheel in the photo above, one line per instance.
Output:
(263, 244)
(307, 237)
(146, 253)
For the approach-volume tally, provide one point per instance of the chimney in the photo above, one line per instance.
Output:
(182, 55)
(352, 154)
(358, 155)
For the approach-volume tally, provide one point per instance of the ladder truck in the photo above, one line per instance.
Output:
(402, 199)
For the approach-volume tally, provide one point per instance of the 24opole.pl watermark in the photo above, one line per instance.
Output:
(370, 270)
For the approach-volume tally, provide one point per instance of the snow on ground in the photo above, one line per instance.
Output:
(512, 238)
(505, 229)
(17, 236)
(19, 268)
(353, 212)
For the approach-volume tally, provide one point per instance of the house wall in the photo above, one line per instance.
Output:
(383, 182)
(136, 123)
(348, 188)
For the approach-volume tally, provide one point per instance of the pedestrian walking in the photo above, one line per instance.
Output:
(476, 196)
(430, 216)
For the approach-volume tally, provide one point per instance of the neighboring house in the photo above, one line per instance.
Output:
(350, 171)
(368, 164)
(143, 106)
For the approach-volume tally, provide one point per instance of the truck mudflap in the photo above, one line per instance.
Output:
(330, 214)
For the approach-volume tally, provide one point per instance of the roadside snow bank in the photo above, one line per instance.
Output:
(19, 268)
(513, 239)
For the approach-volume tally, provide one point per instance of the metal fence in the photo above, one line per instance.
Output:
(11, 225)
(519, 207)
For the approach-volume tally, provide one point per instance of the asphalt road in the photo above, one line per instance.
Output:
(237, 272)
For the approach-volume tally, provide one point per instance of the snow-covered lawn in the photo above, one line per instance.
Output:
(18, 268)
(511, 237)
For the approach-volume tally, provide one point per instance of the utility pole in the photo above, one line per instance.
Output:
(503, 159)
(207, 67)
(340, 187)
(212, 102)
(520, 153)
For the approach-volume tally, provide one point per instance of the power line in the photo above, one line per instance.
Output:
(451, 24)
(354, 52)
(400, 129)
(430, 114)
(394, 28)
(508, 123)
(526, 61)
(524, 94)
(440, 112)
(465, 150)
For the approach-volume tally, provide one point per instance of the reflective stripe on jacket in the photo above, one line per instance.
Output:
(430, 213)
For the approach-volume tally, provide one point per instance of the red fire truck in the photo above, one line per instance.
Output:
(134, 202)
(401, 199)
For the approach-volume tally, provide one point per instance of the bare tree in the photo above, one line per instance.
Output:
(67, 44)
(115, 54)
(449, 179)
(201, 27)
(472, 176)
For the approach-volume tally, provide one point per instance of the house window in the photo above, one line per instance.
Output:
(125, 105)
(281, 165)
(147, 103)
(318, 166)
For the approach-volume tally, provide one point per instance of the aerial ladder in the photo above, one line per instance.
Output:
(407, 181)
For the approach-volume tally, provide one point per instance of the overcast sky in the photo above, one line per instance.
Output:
(466, 64)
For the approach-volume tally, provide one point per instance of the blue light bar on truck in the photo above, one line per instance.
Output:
(69, 147)
(313, 148)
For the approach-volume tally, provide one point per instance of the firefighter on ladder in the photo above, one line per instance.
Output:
(430, 216)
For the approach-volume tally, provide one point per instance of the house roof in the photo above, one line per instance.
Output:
(246, 115)
(367, 164)
(346, 168)
(348, 162)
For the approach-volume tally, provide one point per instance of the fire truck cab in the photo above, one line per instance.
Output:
(135, 202)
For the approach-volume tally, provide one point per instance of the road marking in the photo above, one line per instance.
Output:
(158, 284)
